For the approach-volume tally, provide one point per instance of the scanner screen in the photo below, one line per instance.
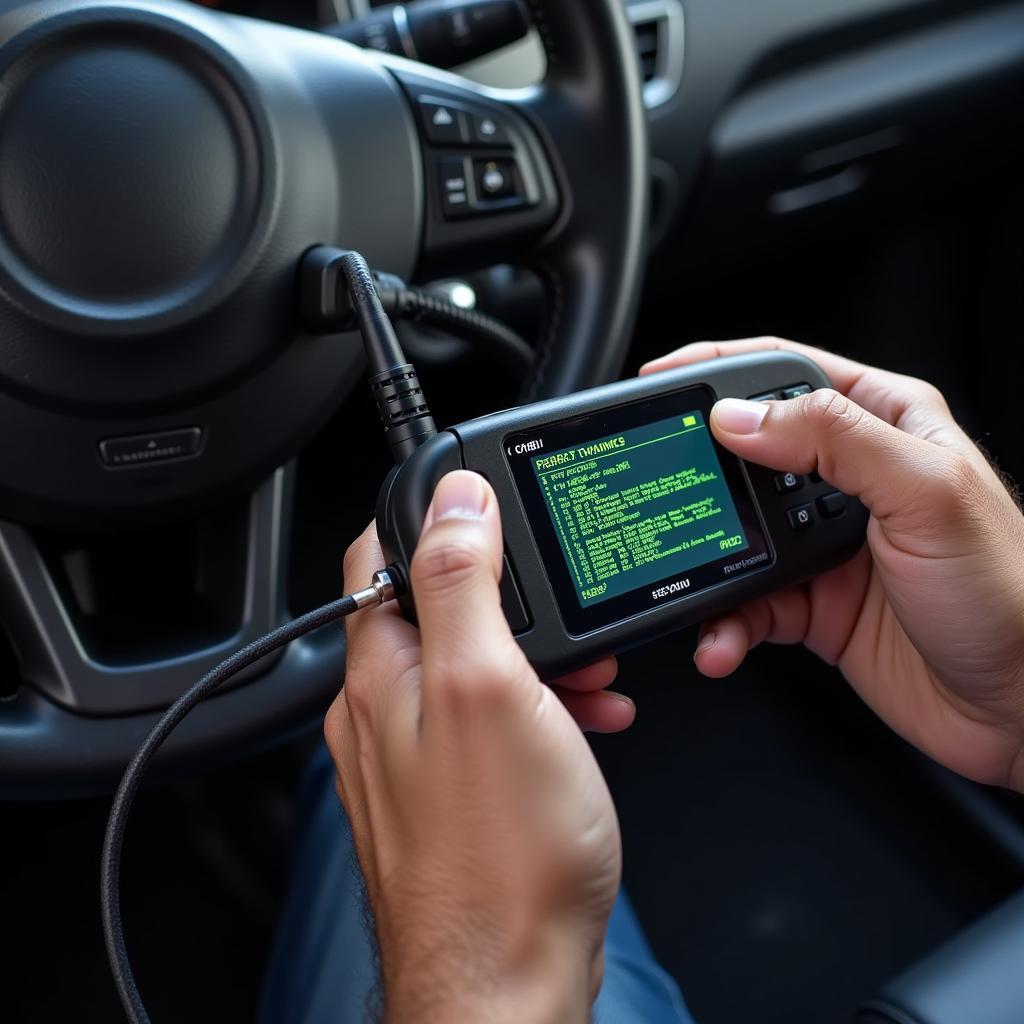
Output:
(635, 506)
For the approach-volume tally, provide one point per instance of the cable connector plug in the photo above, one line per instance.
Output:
(326, 305)
(402, 409)
(381, 590)
(338, 293)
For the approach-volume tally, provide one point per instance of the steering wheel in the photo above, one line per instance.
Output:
(165, 168)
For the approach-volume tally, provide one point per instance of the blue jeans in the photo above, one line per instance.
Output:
(323, 967)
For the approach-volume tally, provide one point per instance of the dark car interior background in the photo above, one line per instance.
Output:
(848, 174)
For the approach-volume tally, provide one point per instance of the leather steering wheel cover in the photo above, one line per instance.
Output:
(591, 106)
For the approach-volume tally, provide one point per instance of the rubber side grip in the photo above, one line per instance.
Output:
(404, 499)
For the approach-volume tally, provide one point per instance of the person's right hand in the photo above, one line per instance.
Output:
(927, 622)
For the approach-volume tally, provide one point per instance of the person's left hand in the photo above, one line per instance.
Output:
(484, 828)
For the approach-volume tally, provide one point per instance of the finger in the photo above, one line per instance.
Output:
(912, 405)
(892, 472)
(601, 711)
(363, 559)
(468, 651)
(382, 649)
(781, 618)
(723, 644)
(593, 677)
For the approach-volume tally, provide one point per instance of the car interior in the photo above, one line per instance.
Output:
(183, 462)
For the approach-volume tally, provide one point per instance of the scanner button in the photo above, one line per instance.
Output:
(511, 601)
(797, 391)
(833, 505)
(801, 517)
(787, 482)
(768, 396)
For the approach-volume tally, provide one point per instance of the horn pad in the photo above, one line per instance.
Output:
(131, 176)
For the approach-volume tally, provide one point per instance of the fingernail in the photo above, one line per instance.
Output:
(737, 416)
(460, 494)
(707, 641)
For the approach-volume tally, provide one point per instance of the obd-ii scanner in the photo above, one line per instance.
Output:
(623, 518)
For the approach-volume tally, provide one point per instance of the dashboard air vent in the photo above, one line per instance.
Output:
(658, 30)
(647, 48)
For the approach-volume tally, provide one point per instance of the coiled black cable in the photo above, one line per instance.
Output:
(381, 344)
(110, 867)
(338, 292)
(498, 340)
(384, 353)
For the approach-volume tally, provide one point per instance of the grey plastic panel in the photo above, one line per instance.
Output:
(975, 978)
(54, 658)
(886, 77)
(56, 741)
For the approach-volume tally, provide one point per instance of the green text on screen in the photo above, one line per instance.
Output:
(634, 508)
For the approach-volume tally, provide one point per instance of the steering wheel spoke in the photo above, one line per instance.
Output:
(73, 680)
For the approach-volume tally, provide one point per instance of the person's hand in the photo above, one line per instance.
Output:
(483, 826)
(927, 622)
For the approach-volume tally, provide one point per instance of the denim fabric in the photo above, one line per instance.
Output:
(323, 967)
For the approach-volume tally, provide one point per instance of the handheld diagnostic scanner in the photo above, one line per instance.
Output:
(623, 517)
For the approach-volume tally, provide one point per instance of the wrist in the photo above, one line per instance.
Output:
(547, 981)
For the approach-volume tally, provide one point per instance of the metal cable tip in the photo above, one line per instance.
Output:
(380, 591)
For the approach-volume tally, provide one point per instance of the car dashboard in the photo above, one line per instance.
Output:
(770, 119)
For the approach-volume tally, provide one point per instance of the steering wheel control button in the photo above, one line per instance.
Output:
(493, 180)
(786, 483)
(496, 179)
(796, 391)
(454, 186)
(801, 517)
(145, 449)
(488, 131)
(832, 506)
(444, 123)
(768, 396)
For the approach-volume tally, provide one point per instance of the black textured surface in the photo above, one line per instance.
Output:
(113, 842)
(784, 852)
(780, 848)
(203, 872)
(499, 340)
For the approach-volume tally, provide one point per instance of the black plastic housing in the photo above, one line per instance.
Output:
(529, 596)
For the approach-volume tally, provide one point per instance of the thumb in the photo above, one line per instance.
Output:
(467, 646)
(893, 473)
